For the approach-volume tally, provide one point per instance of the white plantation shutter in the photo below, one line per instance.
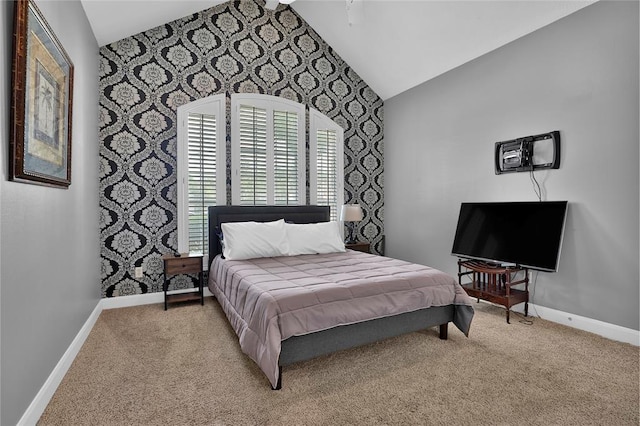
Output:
(286, 157)
(253, 155)
(201, 177)
(201, 169)
(267, 150)
(326, 169)
(326, 185)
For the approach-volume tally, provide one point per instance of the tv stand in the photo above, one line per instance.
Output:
(494, 283)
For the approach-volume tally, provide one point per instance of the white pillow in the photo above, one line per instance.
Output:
(248, 240)
(314, 238)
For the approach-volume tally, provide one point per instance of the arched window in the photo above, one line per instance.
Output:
(267, 150)
(268, 160)
(201, 169)
(326, 162)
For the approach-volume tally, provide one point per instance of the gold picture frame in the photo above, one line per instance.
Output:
(41, 105)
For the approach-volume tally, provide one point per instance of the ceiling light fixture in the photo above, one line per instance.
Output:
(272, 4)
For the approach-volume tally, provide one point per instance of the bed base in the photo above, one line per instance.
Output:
(302, 348)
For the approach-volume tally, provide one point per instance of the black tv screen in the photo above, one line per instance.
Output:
(526, 234)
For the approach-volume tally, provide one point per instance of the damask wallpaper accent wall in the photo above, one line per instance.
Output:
(236, 47)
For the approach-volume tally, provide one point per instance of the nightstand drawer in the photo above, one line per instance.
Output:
(184, 265)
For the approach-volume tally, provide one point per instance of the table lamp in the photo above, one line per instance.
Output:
(351, 213)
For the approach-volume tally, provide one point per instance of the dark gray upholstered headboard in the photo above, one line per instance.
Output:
(295, 214)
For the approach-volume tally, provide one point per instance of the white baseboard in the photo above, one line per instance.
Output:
(142, 299)
(132, 300)
(601, 328)
(39, 403)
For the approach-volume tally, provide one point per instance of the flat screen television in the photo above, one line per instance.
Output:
(526, 234)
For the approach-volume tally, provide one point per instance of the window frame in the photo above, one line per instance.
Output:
(269, 103)
(216, 105)
(319, 121)
(212, 105)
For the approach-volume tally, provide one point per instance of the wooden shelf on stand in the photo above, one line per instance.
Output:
(494, 283)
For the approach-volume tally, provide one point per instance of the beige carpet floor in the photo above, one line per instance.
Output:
(145, 366)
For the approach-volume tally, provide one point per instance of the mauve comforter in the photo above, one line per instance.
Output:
(268, 300)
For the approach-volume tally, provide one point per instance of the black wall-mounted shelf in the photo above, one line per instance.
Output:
(528, 153)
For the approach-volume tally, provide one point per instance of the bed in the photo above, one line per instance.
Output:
(288, 309)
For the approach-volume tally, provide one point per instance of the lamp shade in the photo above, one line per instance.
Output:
(351, 213)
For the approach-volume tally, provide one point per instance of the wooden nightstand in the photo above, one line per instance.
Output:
(184, 264)
(359, 246)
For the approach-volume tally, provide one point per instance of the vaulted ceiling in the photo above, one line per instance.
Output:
(392, 44)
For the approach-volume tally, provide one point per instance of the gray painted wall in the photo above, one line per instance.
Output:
(50, 266)
(578, 75)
